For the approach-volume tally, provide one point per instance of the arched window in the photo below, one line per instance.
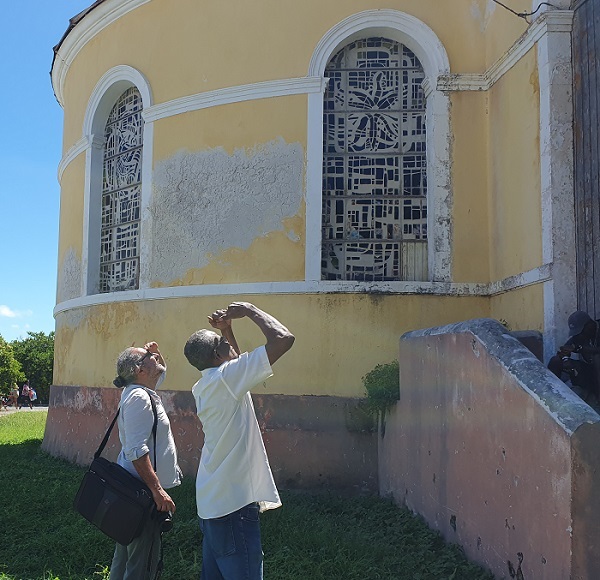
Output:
(121, 195)
(374, 216)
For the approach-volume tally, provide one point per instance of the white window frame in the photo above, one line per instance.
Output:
(419, 38)
(103, 98)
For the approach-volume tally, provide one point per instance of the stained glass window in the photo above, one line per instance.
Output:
(121, 195)
(374, 224)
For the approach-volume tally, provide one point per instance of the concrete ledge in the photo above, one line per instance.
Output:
(495, 452)
(312, 442)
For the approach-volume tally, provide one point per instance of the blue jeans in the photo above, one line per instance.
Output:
(231, 548)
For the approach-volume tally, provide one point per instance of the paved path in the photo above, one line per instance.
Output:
(9, 410)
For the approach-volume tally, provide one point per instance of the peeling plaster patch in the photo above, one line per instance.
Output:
(69, 279)
(208, 201)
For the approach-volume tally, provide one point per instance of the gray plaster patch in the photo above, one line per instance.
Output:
(208, 201)
(69, 277)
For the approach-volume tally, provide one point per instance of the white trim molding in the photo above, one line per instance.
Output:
(420, 39)
(237, 94)
(91, 24)
(105, 94)
(405, 28)
(80, 147)
(555, 71)
(548, 22)
(539, 275)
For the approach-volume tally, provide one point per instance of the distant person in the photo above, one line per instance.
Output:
(234, 481)
(32, 397)
(14, 395)
(24, 399)
(578, 360)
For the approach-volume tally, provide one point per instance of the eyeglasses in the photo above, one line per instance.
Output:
(147, 355)
(220, 341)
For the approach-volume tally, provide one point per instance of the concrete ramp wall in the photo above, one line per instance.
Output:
(495, 452)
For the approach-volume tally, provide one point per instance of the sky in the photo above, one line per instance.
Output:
(30, 150)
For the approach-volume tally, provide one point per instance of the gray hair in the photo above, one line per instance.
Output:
(127, 366)
(200, 349)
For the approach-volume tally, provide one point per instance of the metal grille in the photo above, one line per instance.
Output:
(374, 165)
(121, 195)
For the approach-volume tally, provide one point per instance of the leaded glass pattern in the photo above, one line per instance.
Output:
(121, 195)
(374, 224)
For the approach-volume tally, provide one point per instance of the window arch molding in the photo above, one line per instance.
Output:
(102, 99)
(425, 44)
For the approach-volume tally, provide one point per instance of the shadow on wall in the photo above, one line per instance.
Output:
(495, 452)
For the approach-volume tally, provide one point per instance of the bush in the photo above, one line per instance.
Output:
(383, 387)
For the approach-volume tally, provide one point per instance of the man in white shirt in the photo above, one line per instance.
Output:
(234, 479)
(140, 371)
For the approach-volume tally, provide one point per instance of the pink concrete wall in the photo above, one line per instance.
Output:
(312, 442)
(495, 453)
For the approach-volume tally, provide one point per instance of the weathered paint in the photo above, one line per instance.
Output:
(312, 442)
(208, 202)
(495, 452)
(339, 337)
(69, 277)
(521, 309)
(514, 178)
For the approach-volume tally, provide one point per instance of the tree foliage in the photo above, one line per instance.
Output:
(10, 368)
(36, 355)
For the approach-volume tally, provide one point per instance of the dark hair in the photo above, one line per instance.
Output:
(200, 349)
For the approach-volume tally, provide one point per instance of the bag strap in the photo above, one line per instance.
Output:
(154, 426)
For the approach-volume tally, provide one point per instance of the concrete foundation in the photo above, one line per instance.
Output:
(312, 442)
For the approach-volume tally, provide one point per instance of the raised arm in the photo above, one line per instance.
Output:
(279, 338)
(219, 321)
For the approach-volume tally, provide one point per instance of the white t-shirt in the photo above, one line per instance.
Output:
(135, 432)
(234, 469)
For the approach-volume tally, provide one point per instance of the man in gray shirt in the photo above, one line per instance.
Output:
(139, 372)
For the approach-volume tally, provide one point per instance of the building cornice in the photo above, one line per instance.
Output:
(237, 94)
(548, 22)
(89, 26)
(535, 276)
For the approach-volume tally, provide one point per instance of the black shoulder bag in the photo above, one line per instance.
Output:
(116, 502)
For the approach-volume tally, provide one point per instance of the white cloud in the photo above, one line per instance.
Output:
(7, 312)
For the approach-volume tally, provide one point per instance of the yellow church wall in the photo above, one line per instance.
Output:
(514, 181)
(501, 27)
(71, 207)
(521, 309)
(225, 203)
(238, 125)
(181, 50)
(470, 240)
(70, 241)
(339, 337)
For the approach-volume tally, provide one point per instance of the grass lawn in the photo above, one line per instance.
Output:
(312, 537)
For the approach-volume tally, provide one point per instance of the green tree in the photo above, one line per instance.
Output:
(36, 355)
(10, 368)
